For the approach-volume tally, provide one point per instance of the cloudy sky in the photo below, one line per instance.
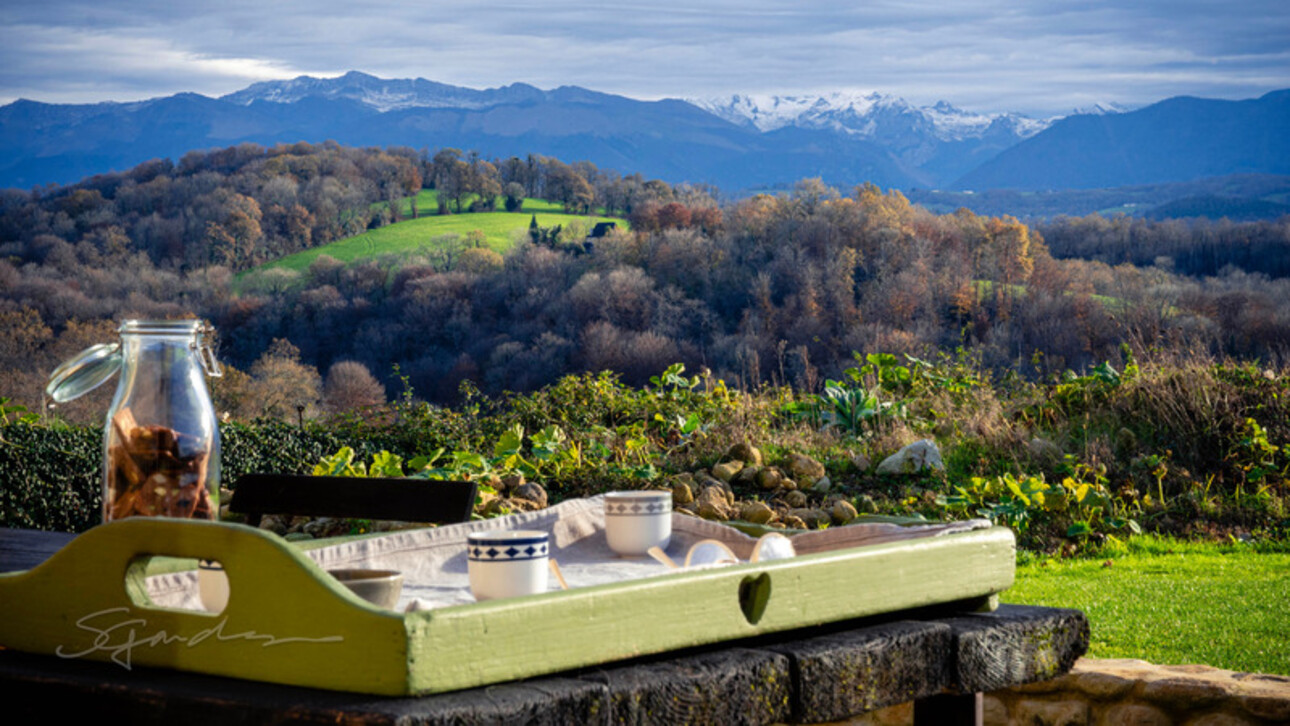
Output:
(1035, 56)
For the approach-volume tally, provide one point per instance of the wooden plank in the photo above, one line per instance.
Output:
(841, 674)
(410, 500)
(23, 549)
(1015, 645)
(731, 686)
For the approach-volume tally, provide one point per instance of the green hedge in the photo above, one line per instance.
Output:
(51, 476)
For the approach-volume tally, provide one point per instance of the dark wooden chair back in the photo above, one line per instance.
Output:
(409, 500)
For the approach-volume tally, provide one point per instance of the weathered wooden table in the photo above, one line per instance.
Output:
(941, 659)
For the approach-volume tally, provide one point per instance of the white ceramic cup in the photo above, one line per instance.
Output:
(637, 521)
(507, 563)
(212, 585)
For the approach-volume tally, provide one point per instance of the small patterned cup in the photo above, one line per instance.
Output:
(637, 521)
(507, 563)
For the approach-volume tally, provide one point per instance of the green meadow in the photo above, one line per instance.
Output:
(1174, 602)
(501, 230)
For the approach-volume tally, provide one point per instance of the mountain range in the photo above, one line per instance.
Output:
(738, 143)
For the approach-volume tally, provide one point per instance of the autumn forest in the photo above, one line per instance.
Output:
(764, 289)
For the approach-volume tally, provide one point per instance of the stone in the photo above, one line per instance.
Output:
(843, 512)
(862, 463)
(913, 458)
(681, 493)
(515, 505)
(756, 512)
(319, 527)
(866, 504)
(714, 512)
(795, 499)
(822, 485)
(511, 482)
(1135, 714)
(1102, 686)
(814, 518)
(531, 491)
(1051, 713)
(1218, 719)
(993, 710)
(744, 452)
(769, 478)
(726, 471)
(274, 524)
(804, 468)
(712, 504)
(1187, 693)
(747, 476)
(788, 484)
(791, 522)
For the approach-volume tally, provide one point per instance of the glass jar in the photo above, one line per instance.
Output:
(161, 439)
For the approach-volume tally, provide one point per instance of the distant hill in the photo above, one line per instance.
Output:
(1176, 140)
(1238, 197)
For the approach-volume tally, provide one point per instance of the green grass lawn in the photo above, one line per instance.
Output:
(412, 235)
(1171, 602)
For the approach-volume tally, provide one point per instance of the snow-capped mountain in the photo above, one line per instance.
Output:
(867, 115)
(382, 94)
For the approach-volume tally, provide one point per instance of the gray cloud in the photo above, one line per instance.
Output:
(1045, 57)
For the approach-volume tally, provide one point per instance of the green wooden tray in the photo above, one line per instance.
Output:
(289, 622)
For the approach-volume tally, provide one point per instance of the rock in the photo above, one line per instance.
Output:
(804, 468)
(690, 508)
(814, 518)
(747, 476)
(714, 511)
(1053, 713)
(319, 527)
(518, 504)
(795, 499)
(769, 478)
(1103, 686)
(866, 504)
(726, 471)
(1134, 714)
(756, 512)
(822, 485)
(681, 493)
(792, 522)
(788, 484)
(274, 524)
(712, 495)
(1192, 694)
(843, 512)
(511, 483)
(531, 491)
(914, 458)
(744, 452)
(862, 463)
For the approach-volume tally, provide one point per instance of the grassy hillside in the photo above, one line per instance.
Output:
(500, 230)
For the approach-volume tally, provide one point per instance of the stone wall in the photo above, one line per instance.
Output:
(1131, 693)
